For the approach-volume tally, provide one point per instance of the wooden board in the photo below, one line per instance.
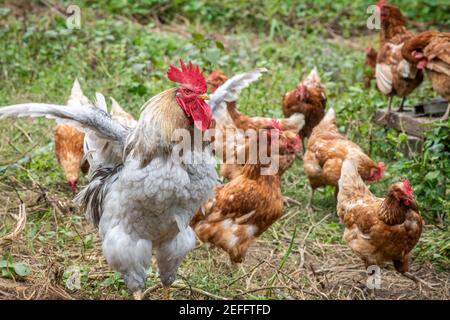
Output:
(405, 122)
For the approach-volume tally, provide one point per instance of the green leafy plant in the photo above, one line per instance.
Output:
(11, 269)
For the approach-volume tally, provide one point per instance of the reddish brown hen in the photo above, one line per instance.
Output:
(395, 76)
(245, 207)
(326, 151)
(235, 136)
(378, 230)
(237, 123)
(69, 142)
(309, 99)
(430, 50)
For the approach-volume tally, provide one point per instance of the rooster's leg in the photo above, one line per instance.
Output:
(170, 254)
(447, 113)
(166, 293)
(401, 105)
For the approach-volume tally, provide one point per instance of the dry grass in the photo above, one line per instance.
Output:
(313, 269)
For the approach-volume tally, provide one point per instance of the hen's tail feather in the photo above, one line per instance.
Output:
(100, 101)
(295, 122)
(329, 116)
(350, 178)
(86, 119)
(77, 96)
(92, 196)
(230, 90)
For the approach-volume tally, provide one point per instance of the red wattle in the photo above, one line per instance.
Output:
(198, 111)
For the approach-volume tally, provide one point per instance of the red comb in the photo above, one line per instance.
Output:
(380, 3)
(276, 124)
(407, 187)
(189, 75)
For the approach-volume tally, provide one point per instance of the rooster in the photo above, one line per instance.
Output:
(395, 76)
(147, 201)
(69, 143)
(326, 151)
(309, 99)
(249, 204)
(430, 50)
(378, 230)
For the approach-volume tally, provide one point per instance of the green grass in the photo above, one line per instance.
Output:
(123, 51)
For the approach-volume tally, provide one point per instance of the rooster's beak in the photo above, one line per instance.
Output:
(204, 97)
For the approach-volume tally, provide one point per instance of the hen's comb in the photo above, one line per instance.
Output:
(381, 3)
(407, 187)
(381, 168)
(276, 124)
(188, 75)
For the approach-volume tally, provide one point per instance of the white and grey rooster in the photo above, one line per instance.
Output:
(146, 201)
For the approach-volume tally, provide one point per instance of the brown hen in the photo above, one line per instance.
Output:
(245, 207)
(378, 230)
(326, 151)
(395, 76)
(309, 99)
(69, 143)
(430, 50)
(238, 122)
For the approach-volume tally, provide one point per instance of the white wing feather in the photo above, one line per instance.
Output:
(230, 90)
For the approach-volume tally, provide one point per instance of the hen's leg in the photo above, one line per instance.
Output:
(401, 105)
(310, 200)
(417, 280)
(402, 266)
(388, 113)
(129, 255)
(447, 113)
(170, 254)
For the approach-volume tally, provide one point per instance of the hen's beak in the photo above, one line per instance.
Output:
(204, 96)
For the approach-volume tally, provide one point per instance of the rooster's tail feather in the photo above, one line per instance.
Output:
(92, 196)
